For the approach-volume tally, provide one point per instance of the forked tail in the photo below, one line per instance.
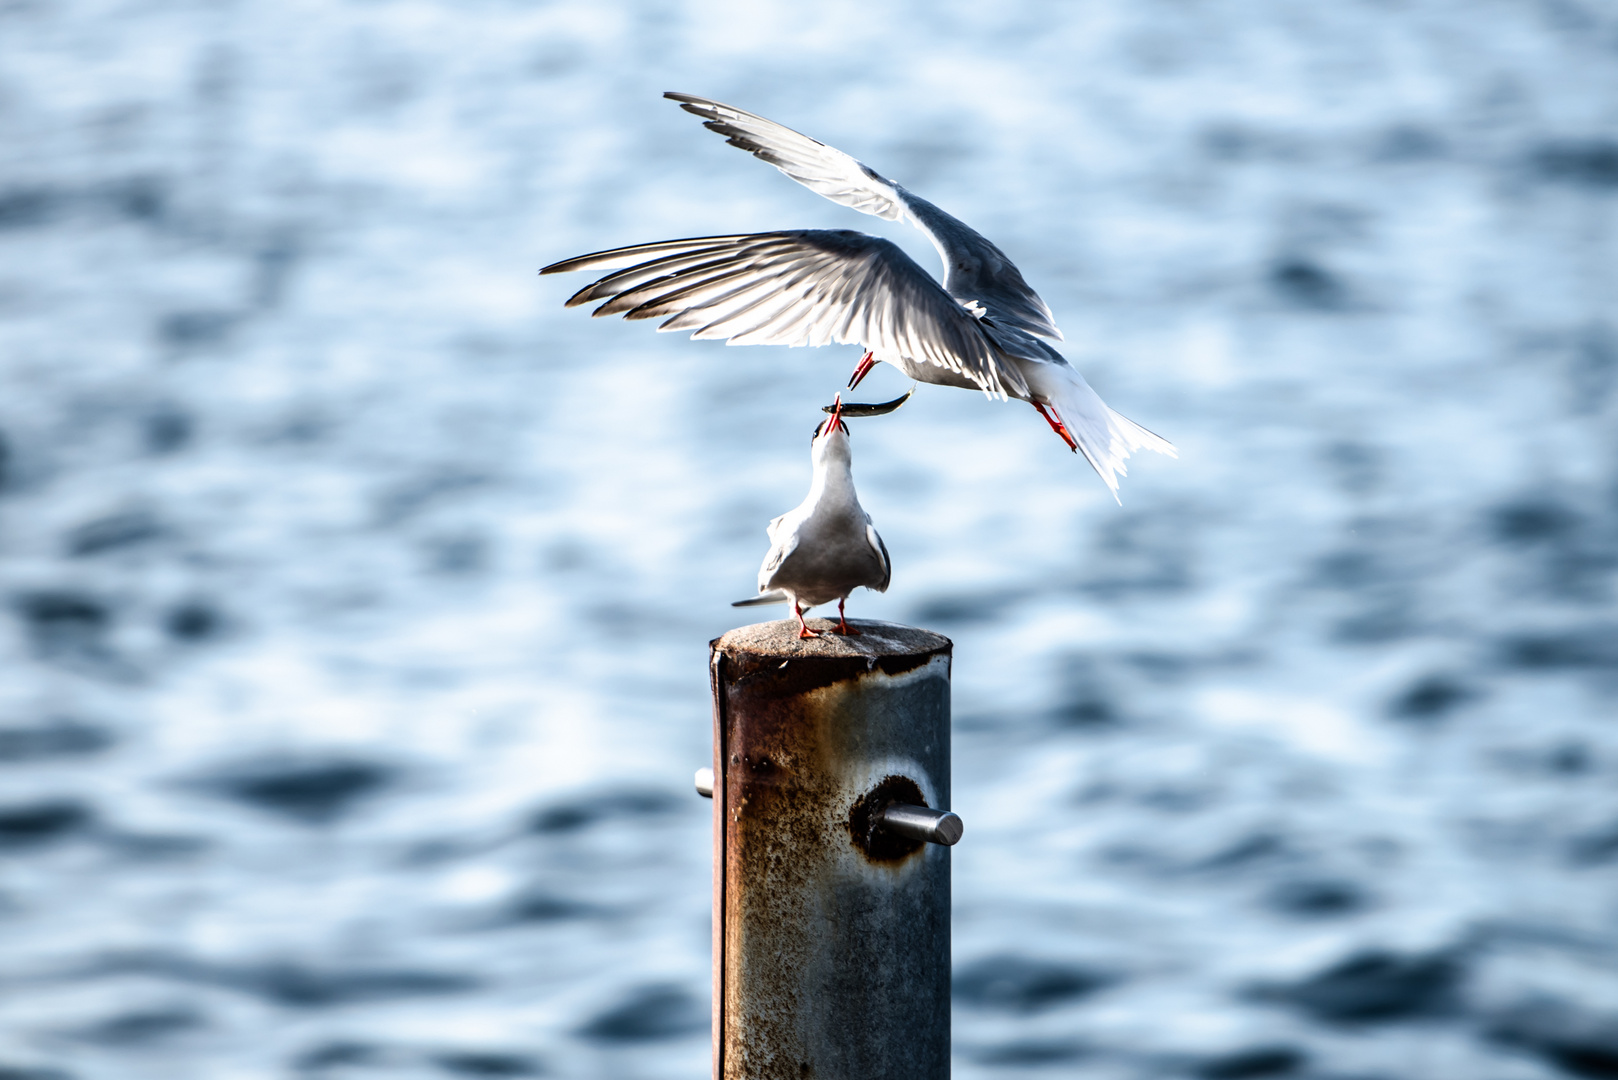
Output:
(1105, 438)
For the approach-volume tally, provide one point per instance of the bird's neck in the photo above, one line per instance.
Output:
(833, 484)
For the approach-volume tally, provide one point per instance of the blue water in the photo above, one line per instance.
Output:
(354, 596)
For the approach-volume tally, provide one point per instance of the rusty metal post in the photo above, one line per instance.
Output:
(831, 916)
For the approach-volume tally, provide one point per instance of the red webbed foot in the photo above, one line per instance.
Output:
(842, 621)
(1057, 426)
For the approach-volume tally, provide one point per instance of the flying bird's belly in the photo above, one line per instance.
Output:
(922, 371)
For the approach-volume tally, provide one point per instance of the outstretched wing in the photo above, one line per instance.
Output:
(802, 287)
(974, 268)
(818, 167)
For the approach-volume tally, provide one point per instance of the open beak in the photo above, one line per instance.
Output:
(836, 410)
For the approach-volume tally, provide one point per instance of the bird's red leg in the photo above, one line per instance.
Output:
(1056, 426)
(862, 369)
(842, 619)
(803, 627)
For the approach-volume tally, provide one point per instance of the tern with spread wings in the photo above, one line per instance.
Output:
(983, 328)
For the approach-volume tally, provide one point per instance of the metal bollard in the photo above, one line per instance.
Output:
(831, 839)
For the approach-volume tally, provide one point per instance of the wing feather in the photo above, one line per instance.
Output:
(874, 538)
(818, 167)
(801, 287)
(974, 268)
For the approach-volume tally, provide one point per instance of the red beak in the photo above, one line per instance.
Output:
(836, 420)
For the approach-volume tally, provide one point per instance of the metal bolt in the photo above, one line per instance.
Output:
(704, 779)
(918, 822)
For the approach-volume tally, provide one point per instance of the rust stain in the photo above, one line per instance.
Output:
(875, 843)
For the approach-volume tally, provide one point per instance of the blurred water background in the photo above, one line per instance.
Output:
(354, 596)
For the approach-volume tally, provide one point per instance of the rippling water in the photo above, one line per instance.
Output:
(356, 596)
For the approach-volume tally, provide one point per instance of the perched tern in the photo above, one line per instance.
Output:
(826, 547)
(983, 328)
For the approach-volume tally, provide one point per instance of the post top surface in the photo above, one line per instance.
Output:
(875, 640)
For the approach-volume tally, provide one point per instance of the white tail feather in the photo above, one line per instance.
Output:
(1106, 438)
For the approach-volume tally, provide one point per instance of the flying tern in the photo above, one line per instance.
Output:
(983, 328)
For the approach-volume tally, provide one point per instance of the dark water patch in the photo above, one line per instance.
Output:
(1580, 648)
(1405, 144)
(1349, 570)
(1164, 665)
(1598, 847)
(1573, 1039)
(64, 622)
(167, 429)
(113, 532)
(457, 555)
(1593, 368)
(1236, 144)
(403, 501)
(487, 1063)
(273, 262)
(1086, 699)
(648, 1014)
(1374, 987)
(1570, 759)
(1140, 554)
(1381, 619)
(1357, 468)
(31, 825)
(585, 810)
(1306, 284)
(1587, 163)
(312, 792)
(1317, 898)
(31, 207)
(153, 847)
(1252, 1063)
(1018, 984)
(193, 622)
(1029, 1053)
(5, 460)
(289, 984)
(1252, 850)
(141, 199)
(32, 1072)
(196, 329)
(55, 739)
(297, 985)
(1532, 521)
(1177, 798)
(140, 1028)
(541, 906)
(963, 609)
(336, 1055)
(1431, 697)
